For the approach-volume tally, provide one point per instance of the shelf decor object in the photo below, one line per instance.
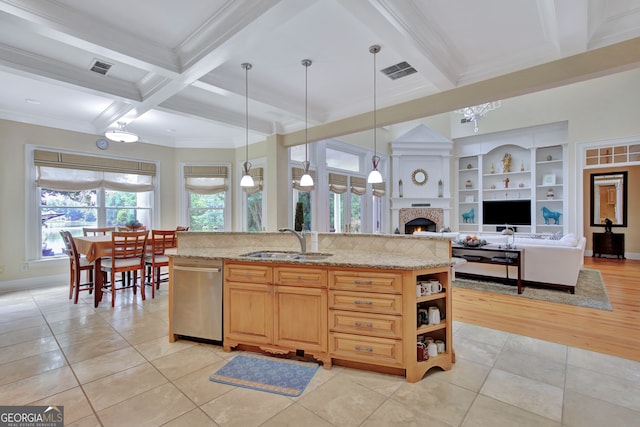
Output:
(419, 177)
(549, 179)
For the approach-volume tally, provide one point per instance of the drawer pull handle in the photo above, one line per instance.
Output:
(369, 349)
(363, 302)
(364, 282)
(298, 278)
(366, 325)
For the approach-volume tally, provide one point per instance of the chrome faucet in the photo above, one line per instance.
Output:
(301, 237)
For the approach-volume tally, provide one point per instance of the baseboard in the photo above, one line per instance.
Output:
(627, 255)
(33, 283)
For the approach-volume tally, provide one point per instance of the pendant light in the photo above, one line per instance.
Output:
(306, 180)
(375, 176)
(247, 180)
(121, 134)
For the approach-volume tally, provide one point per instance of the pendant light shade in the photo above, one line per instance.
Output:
(306, 180)
(247, 179)
(375, 177)
(121, 134)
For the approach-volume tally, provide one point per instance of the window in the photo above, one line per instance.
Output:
(302, 195)
(253, 201)
(76, 191)
(345, 203)
(207, 196)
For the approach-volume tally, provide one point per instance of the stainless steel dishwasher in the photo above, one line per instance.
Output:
(197, 301)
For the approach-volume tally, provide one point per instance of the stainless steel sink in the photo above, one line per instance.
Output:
(286, 255)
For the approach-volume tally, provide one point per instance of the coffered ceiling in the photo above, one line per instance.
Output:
(176, 77)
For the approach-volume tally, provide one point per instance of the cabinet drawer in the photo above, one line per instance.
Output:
(366, 281)
(380, 351)
(248, 273)
(365, 302)
(380, 325)
(300, 276)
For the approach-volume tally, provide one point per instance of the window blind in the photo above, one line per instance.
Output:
(210, 179)
(76, 172)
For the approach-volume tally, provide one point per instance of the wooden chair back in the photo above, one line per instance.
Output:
(128, 244)
(76, 265)
(163, 239)
(70, 246)
(133, 228)
(97, 231)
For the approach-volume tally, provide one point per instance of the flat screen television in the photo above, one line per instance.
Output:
(512, 212)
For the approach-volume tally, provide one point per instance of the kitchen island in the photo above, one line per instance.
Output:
(356, 305)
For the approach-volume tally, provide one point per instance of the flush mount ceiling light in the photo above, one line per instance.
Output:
(121, 134)
(306, 180)
(247, 179)
(375, 176)
(477, 112)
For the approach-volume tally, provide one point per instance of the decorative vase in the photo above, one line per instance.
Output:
(550, 194)
(468, 184)
(400, 189)
(299, 218)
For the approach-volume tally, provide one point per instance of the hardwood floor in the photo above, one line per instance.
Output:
(614, 332)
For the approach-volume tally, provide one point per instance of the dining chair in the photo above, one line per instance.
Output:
(127, 255)
(133, 228)
(97, 231)
(154, 261)
(77, 264)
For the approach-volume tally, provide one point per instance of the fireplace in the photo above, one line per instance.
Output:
(419, 224)
(429, 219)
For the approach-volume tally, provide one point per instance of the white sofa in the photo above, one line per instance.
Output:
(554, 262)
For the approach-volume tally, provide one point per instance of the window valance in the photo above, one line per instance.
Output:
(208, 179)
(338, 183)
(76, 172)
(83, 162)
(378, 189)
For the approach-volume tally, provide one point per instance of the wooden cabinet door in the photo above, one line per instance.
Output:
(300, 318)
(248, 312)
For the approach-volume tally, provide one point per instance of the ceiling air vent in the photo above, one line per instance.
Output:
(100, 67)
(399, 70)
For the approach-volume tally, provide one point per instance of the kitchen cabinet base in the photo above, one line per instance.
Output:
(268, 350)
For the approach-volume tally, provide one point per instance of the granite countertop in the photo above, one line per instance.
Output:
(341, 258)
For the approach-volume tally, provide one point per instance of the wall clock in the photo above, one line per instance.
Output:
(102, 144)
(419, 177)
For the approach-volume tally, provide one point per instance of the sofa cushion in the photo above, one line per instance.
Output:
(567, 240)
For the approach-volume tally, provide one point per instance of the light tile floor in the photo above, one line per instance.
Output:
(115, 367)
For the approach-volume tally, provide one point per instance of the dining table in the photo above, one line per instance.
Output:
(94, 248)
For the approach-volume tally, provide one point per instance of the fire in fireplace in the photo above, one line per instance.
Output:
(419, 224)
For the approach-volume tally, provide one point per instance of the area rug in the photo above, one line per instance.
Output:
(590, 290)
(275, 375)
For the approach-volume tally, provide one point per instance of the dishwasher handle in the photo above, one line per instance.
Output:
(200, 269)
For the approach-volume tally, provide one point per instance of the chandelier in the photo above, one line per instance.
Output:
(121, 134)
(477, 112)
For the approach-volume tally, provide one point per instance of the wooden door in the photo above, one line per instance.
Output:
(300, 318)
(248, 313)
